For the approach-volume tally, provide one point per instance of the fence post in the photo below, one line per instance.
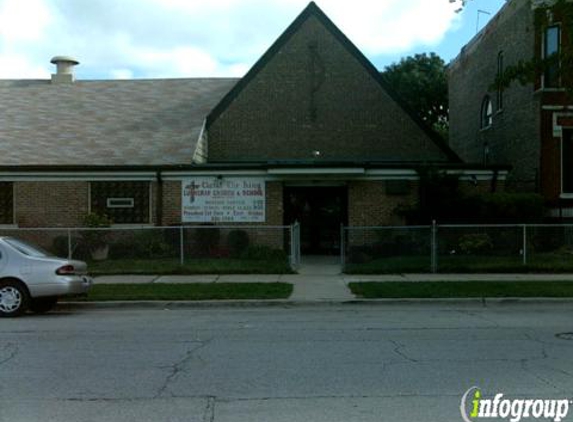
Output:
(292, 247)
(434, 247)
(524, 244)
(342, 247)
(181, 247)
(297, 238)
(295, 245)
(69, 244)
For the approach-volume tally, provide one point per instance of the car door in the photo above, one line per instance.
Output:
(3, 260)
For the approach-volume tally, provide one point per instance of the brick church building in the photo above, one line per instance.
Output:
(311, 133)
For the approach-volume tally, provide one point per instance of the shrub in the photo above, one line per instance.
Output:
(510, 207)
(95, 239)
(79, 249)
(475, 243)
(122, 249)
(476, 208)
(206, 240)
(237, 242)
(149, 244)
(359, 255)
(264, 253)
(96, 220)
(60, 246)
(145, 244)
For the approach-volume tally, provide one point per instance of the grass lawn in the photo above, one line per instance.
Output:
(191, 266)
(461, 289)
(550, 263)
(192, 291)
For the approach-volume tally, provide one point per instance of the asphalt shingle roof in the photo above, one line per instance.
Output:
(127, 122)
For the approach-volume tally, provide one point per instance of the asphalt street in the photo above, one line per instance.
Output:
(383, 362)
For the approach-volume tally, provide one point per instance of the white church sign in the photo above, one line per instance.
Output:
(228, 199)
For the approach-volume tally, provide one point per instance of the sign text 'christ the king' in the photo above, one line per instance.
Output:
(232, 200)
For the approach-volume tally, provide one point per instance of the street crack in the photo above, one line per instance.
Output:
(398, 350)
(209, 415)
(11, 350)
(178, 367)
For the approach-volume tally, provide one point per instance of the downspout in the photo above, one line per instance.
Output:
(159, 200)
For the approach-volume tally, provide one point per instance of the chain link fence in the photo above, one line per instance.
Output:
(145, 248)
(457, 248)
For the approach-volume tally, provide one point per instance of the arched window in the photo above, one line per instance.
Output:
(486, 112)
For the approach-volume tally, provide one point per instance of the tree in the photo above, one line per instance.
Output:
(461, 3)
(422, 83)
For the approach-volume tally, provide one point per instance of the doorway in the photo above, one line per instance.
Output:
(320, 211)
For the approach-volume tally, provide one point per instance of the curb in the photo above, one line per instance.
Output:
(205, 304)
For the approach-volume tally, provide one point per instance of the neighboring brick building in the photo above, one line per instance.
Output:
(527, 126)
(312, 133)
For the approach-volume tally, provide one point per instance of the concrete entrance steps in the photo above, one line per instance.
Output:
(319, 279)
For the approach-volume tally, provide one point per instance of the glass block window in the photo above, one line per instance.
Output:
(122, 202)
(6, 203)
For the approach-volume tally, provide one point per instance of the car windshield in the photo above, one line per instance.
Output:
(27, 248)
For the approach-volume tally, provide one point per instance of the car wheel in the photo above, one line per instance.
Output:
(14, 298)
(42, 305)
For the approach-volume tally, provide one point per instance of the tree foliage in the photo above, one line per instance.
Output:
(460, 3)
(529, 70)
(422, 83)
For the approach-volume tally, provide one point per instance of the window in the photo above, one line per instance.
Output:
(6, 203)
(486, 113)
(567, 161)
(551, 52)
(499, 75)
(122, 202)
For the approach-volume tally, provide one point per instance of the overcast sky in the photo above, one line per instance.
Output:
(189, 38)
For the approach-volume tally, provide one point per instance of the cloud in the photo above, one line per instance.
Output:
(19, 25)
(186, 38)
(392, 26)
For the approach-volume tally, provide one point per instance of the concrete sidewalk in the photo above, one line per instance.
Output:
(319, 279)
(313, 286)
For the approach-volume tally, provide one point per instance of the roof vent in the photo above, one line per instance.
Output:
(65, 72)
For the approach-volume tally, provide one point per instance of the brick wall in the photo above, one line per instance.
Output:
(514, 137)
(171, 203)
(274, 206)
(370, 205)
(51, 204)
(315, 96)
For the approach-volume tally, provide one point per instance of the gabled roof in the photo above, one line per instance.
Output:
(127, 122)
(312, 10)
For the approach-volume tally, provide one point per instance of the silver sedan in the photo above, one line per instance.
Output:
(31, 278)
